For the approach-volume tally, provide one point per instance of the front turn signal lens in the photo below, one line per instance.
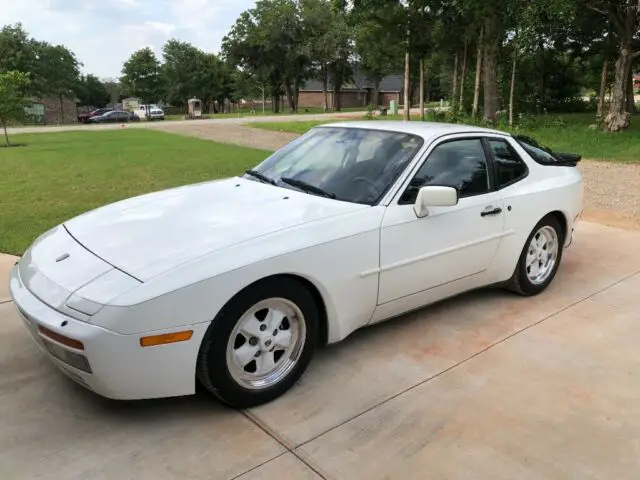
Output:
(69, 342)
(166, 338)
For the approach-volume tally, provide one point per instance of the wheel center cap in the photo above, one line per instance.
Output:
(266, 344)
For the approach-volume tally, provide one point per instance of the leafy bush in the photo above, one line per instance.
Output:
(369, 114)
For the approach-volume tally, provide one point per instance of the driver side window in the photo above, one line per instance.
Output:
(458, 163)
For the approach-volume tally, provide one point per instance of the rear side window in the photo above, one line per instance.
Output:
(509, 166)
(538, 152)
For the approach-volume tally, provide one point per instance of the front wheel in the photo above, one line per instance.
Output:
(540, 258)
(260, 343)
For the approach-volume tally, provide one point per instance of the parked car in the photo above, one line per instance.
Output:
(149, 112)
(114, 116)
(233, 283)
(84, 117)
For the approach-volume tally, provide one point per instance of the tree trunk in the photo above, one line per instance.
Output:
(541, 80)
(462, 75)
(296, 93)
(618, 118)
(289, 91)
(512, 90)
(407, 72)
(337, 98)
(376, 93)
(337, 81)
(631, 103)
(422, 89)
(61, 110)
(491, 45)
(325, 83)
(427, 87)
(603, 89)
(6, 135)
(476, 88)
(454, 82)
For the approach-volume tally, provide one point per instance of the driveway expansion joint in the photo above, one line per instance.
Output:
(289, 446)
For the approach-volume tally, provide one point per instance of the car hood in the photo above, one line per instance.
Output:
(147, 235)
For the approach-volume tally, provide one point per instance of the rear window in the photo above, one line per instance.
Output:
(538, 152)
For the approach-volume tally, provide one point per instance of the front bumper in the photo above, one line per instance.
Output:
(120, 367)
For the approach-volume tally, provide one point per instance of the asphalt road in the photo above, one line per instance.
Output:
(185, 123)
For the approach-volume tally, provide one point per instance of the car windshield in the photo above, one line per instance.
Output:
(350, 164)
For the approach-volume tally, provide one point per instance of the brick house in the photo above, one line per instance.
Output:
(358, 93)
(53, 110)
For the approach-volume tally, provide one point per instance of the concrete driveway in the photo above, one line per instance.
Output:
(488, 385)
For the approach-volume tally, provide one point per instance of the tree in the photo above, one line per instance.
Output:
(214, 79)
(52, 69)
(113, 88)
(182, 70)
(91, 91)
(478, 74)
(269, 41)
(141, 76)
(56, 72)
(376, 26)
(13, 91)
(340, 67)
(16, 49)
(328, 34)
(623, 17)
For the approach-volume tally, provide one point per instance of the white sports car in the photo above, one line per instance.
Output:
(233, 283)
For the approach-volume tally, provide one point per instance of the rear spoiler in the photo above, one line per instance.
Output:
(568, 159)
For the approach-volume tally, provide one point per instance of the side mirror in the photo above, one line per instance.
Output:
(434, 196)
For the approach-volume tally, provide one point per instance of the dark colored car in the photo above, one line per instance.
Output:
(114, 116)
(84, 118)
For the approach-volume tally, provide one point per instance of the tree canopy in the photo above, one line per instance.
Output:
(13, 93)
(485, 58)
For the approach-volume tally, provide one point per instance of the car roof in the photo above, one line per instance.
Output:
(427, 130)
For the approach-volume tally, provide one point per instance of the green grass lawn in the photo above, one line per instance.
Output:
(574, 136)
(52, 177)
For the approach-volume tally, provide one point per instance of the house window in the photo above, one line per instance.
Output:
(35, 113)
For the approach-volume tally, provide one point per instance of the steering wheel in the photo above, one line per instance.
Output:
(374, 190)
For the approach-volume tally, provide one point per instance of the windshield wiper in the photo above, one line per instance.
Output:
(261, 177)
(307, 187)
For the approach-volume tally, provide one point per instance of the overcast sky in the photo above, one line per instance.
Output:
(103, 33)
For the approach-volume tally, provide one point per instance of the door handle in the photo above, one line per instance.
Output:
(491, 211)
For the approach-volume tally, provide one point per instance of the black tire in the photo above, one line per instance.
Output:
(212, 370)
(520, 282)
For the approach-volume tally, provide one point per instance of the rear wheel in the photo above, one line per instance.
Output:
(540, 258)
(260, 343)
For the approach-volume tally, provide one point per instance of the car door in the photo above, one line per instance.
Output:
(450, 243)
